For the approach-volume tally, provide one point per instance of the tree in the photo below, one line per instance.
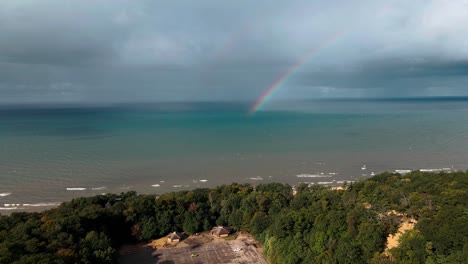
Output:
(411, 248)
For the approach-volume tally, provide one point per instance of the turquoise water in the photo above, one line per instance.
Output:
(45, 150)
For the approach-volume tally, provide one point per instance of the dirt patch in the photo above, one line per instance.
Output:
(136, 253)
(158, 243)
(406, 224)
(201, 249)
(198, 240)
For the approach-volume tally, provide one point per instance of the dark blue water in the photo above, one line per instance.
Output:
(44, 150)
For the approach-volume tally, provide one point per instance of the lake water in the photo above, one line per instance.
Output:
(50, 154)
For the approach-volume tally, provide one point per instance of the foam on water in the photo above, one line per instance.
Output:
(76, 189)
(402, 171)
(10, 208)
(5, 194)
(18, 206)
(41, 204)
(321, 175)
(98, 188)
(435, 170)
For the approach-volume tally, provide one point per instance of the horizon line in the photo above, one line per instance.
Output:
(208, 101)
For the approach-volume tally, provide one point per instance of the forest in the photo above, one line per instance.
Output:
(314, 224)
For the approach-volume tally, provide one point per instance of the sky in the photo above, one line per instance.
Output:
(55, 51)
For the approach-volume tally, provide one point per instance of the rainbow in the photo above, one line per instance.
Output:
(268, 94)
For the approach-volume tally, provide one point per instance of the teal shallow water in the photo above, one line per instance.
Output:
(45, 151)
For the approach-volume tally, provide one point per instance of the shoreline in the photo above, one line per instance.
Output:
(323, 179)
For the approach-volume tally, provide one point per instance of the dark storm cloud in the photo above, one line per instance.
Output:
(378, 74)
(54, 32)
(121, 50)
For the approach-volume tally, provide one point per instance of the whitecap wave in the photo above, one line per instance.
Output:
(320, 163)
(402, 171)
(304, 175)
(76, 189)
(17, 206)
(41, 204)
(176, 186)
(155, 185)
(203, 180)
(11, 205)
(324, 182)
(98, 188)
(256, 179)
(9, 208)
(435, 170)
(5, 194)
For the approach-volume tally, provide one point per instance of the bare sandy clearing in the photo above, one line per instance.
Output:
(406, 224)
(202, 248)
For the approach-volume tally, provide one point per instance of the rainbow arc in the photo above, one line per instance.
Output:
(268, 93)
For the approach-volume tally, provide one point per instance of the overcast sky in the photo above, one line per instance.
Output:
(130, 51)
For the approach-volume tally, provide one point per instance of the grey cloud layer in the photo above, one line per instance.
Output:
(60, 51)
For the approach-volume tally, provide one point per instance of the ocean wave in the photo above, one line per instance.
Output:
(10, 208)
(324, 182)
(203, 180)
(41, 204)
(155, 185)
(11, 205)
(5, 194)
(313, 176)
(76, 189)
(256, 179)
(16, 206)
(320, 163)
(341, 182)
(435, 170)
(177, 186)
(98, 188)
